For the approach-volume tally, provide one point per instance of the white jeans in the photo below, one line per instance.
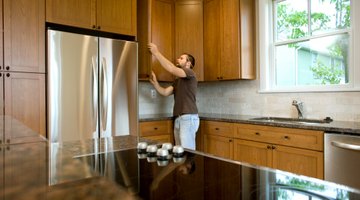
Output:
(185, 128)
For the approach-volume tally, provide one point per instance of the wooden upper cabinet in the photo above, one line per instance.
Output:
(117, 16)
(24, 35)
(162, 34)
(1, 36)
(229, 42)
(78, 13)
(189, 32)
(211, 39)
(105, 15)
(156, 25)
(176, 27)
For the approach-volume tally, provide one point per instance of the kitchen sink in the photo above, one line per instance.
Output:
(293, 120)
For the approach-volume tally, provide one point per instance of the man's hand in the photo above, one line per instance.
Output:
(153, 48)
(153, 79)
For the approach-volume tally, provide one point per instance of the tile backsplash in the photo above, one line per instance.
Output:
(242, 97)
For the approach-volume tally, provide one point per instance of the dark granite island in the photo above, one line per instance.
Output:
(112, 169)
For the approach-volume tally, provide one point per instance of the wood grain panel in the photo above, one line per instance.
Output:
(189, 32)
(24, 105)
(78, 13)
(24, 52)
(117, 16)
(230, 58)
(252, 152)
(219, 146)
(1, 36)
(247, 39)
(162, 34)
(219, 128)
(302, 138)
(212, 40)
(143, 37)
(156, 128)
(299, 161)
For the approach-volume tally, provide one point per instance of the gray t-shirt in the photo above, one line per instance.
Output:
(185, 94)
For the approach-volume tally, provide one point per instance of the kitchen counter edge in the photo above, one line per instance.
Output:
(340, 127)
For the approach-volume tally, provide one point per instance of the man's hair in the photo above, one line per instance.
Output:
(191, 59)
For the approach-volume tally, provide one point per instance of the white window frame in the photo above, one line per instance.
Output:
(265, 53)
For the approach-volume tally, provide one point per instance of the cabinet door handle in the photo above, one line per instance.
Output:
(99, 27)
(268, 147)
(7, 67)
(7, 74)
(93, 26)
(230, 140)
(273, 147)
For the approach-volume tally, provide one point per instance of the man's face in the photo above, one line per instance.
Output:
(182, 61)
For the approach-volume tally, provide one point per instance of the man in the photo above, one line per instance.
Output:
(184, 89)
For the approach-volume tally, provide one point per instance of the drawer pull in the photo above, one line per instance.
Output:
(155, 128)
(268, 147)
(286, 137)
(257, 133)
(217, 129)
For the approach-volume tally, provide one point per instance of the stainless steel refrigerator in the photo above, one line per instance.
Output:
(92, 87)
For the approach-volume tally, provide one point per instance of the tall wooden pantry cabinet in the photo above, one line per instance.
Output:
(22, 71)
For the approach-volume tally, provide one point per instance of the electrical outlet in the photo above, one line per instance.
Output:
(153, 93)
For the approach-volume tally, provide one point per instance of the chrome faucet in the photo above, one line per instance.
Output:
(299, 107)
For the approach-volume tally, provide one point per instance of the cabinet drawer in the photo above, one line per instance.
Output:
(218, 128)
(159, 138)
(155, 128)
(307, 139)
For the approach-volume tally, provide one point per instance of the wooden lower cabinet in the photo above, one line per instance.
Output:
(219, 146)
(295, 160)
(218, 138)
(298, 151)
(161, 131)
(299, 161)
(159, 138)
(252, 152)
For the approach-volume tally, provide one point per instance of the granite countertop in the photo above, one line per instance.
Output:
(38, 170)
(345, 127)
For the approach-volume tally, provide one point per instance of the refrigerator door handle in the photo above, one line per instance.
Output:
(104, 94)
(94, 96)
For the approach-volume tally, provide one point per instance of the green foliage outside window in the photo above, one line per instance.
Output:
(297, 22)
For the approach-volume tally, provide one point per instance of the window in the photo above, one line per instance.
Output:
(308, 45)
